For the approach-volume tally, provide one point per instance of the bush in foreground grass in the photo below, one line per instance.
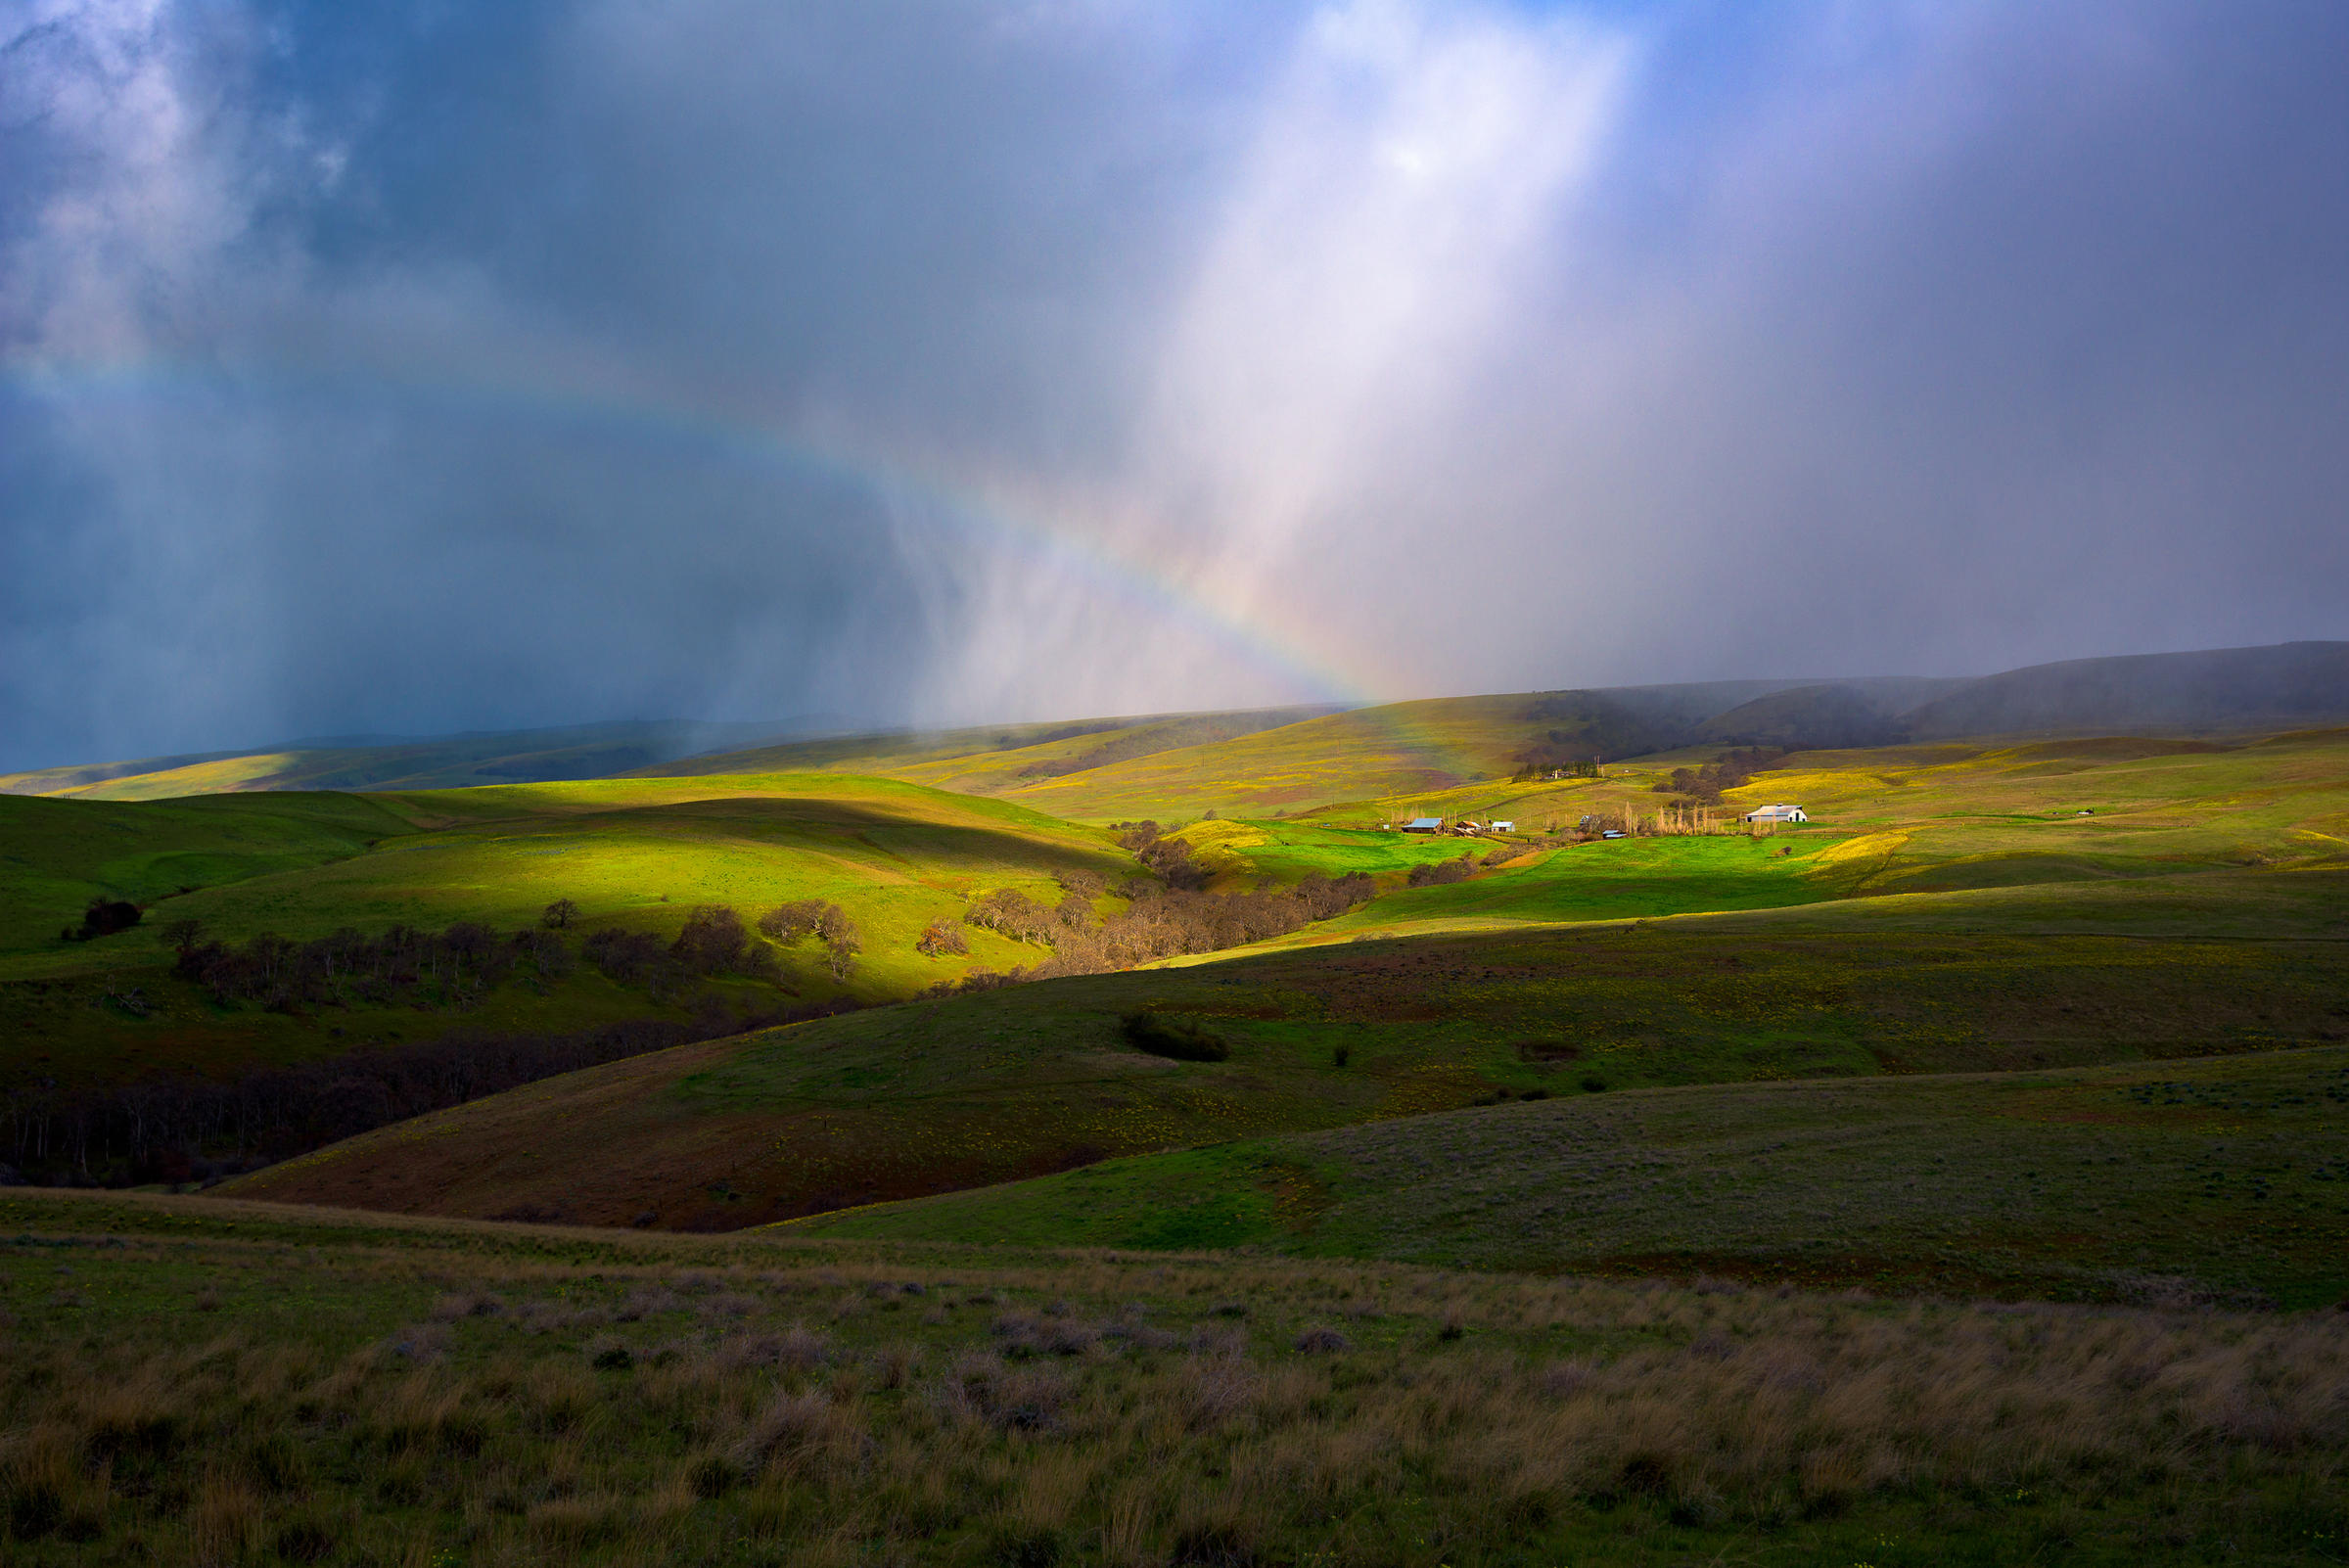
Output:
(1181, 1042)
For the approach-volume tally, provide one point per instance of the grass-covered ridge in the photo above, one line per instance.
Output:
(196, 1382)
(56, 855)
(2224, 1179)
(636, 854)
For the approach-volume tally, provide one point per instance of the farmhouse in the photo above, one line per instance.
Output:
(1496, 825)
(1778, 813)
(1424, 824)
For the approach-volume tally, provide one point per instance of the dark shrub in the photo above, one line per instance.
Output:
(713, 940)
(788, 922)
(630, 958)
(1183, 1042)
(1592, 1084)
(1323, 1342)
(106, 916)
(1009, 912)
(1436, 875)
(939, 938)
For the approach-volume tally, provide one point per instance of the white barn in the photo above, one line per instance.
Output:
(1781, 813)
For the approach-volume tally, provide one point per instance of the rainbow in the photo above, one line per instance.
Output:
(699, 430)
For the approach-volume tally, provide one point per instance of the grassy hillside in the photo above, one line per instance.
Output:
(586, 750)
(990, 1087)
(188, 1380)
(992, 758)
(1884, 821)
(2212, 689)
(56, 855)
(1807, 716)
(2186, 1180)
(2199, 860)
(1394, 750)
(1969, 816)
(631, 854)
(1270, 762)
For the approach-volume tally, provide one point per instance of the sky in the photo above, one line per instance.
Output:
(417, 367)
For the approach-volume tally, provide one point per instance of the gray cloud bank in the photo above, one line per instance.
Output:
(371, 368)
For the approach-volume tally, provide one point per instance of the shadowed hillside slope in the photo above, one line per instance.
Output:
(368, 762)
(1837, 715)
(2183, 1180)
(974, 1089)
(2224, 688)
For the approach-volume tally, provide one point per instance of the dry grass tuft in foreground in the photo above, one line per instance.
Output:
(417, 1394)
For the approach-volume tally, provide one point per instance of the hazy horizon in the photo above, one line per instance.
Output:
(431, 369)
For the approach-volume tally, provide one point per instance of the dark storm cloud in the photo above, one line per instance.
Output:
(524, 363)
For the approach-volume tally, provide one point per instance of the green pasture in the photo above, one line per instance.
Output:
(1620, 879)
(1243, 853)
(1961, 814)
(2187, 1178)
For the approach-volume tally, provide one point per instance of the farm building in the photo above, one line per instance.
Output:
(1781, 813)
(1496, 825)
(1424, 824)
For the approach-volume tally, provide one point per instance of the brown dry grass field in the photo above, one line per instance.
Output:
(214, 1383)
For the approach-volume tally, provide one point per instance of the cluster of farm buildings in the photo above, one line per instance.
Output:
(1468, 827)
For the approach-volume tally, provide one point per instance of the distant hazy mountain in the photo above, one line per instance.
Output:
(2223, 688)
(1280, 758)
(396, 763)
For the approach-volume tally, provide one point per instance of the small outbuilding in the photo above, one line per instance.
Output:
(1496, 825)
(1781, 813)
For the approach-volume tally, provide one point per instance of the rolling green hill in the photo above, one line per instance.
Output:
(56, 855)
(633, 854)
(974, 1089)
(637, 854)
(1949, 910)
